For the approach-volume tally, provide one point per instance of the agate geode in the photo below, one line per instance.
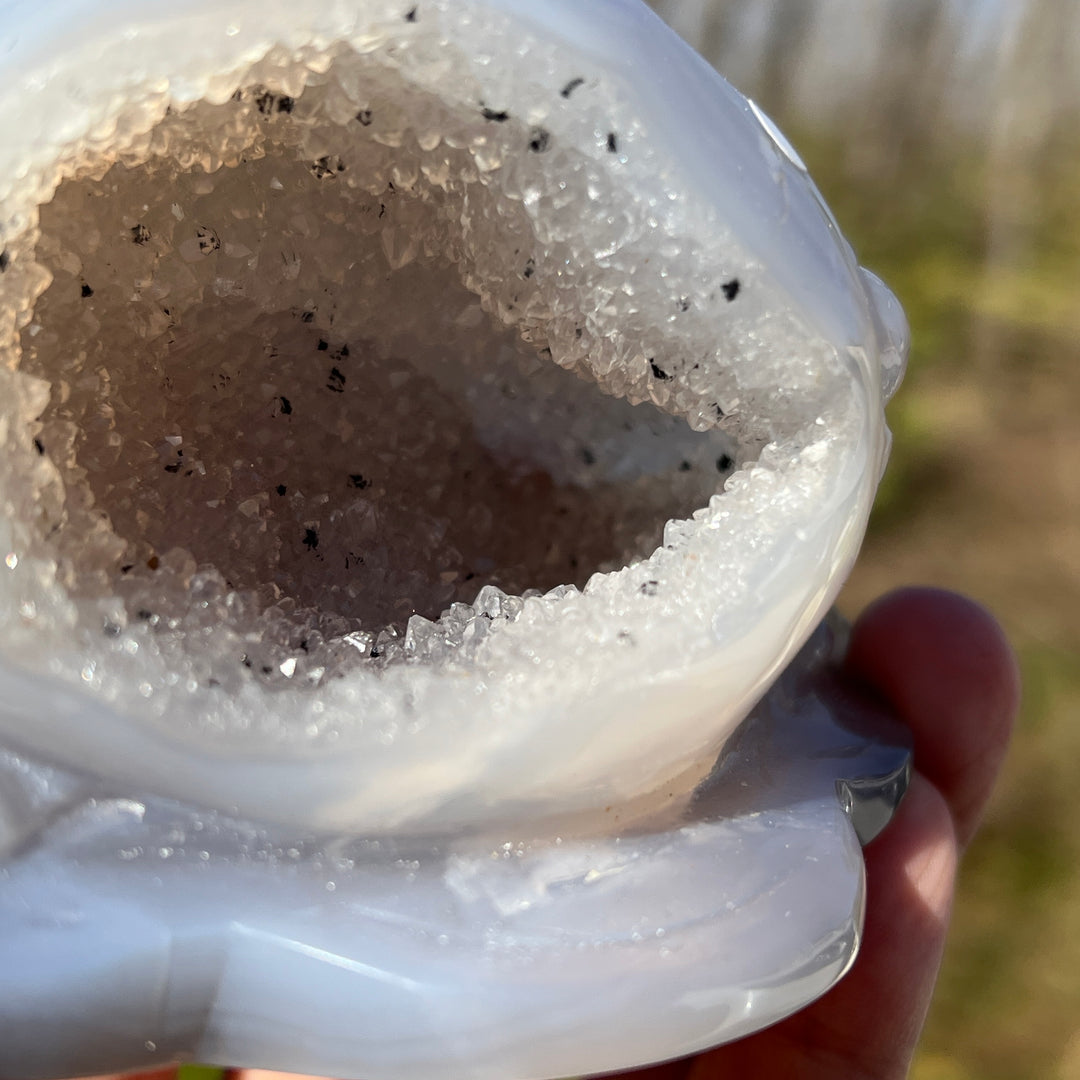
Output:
(423, 424)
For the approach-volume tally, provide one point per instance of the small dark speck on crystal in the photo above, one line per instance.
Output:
(731, 289)
(174, 468)
(357, 480)
(86, 290)
(613, 142)
(281, 489)
(307, 316)
(323, 345)
(208, 240)
(724, 462)
(39, 446)
(5, 260)
(571, 86)
(326, 166)
(539, 140)
(140, 234)
(498, 115)
(311, 539)
(649, 587)
(127, 568)
(685, 466)
(286, 406)
(364, 117)
(410, 15)
(658, 371)
(588, 456)
(266, 102)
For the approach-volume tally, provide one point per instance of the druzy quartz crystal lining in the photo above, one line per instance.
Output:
(277, 382)
(427, 429)
(363, 384)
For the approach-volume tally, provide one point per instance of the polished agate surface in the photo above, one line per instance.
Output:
(428, 430)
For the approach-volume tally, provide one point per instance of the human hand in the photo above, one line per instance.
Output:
(942, 665)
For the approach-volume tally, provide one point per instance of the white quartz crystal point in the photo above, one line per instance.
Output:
(587, 185)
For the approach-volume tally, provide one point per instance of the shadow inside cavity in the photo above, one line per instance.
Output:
(366, 492)
(261, 385)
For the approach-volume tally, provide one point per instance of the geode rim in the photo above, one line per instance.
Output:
(445, 741)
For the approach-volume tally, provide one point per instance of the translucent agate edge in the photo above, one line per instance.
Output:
(779, 539)
(482, 956)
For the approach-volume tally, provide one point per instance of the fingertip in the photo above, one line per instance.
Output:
(912, 865)
(910, 877)
(946, 667)
(948, 633)
(868, 1025)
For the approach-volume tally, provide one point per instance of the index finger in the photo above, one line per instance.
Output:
(933, 654)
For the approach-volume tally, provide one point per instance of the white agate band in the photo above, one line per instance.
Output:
(138, 932)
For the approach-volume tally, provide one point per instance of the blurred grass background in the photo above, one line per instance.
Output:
(944, 134)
